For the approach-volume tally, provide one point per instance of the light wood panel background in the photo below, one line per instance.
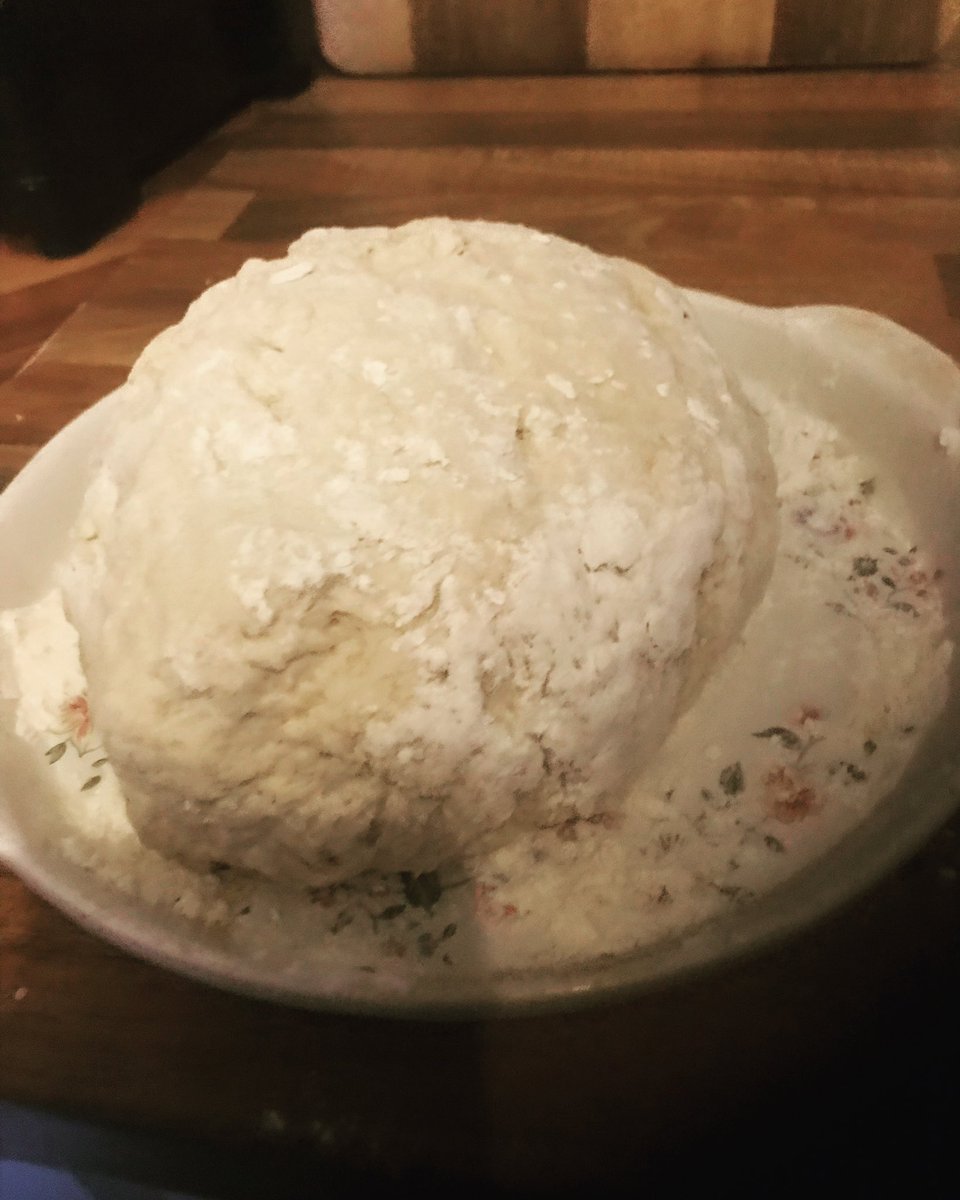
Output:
(450, 36)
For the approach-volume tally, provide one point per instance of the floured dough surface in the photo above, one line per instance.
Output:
(414, 538)
(801, 734)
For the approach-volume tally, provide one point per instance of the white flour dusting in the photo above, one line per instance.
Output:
(470, 582)
(807, 724)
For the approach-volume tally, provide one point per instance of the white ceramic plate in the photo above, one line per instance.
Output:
(891, 392)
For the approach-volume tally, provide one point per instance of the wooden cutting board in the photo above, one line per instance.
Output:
(492, 36)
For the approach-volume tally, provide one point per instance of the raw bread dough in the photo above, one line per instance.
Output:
(409, 539)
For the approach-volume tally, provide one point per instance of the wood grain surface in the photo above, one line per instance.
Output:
(790, 189)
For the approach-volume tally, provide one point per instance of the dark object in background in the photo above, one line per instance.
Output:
(95, 95)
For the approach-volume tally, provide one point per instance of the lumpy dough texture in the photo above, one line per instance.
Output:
(410, 539)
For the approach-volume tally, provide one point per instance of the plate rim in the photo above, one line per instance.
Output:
(570, 989)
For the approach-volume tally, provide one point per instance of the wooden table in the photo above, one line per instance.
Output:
(778, 189)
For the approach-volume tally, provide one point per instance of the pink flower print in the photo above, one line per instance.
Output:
(786, 798)
(75, 715)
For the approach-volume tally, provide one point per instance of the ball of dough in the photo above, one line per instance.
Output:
(411, 539)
